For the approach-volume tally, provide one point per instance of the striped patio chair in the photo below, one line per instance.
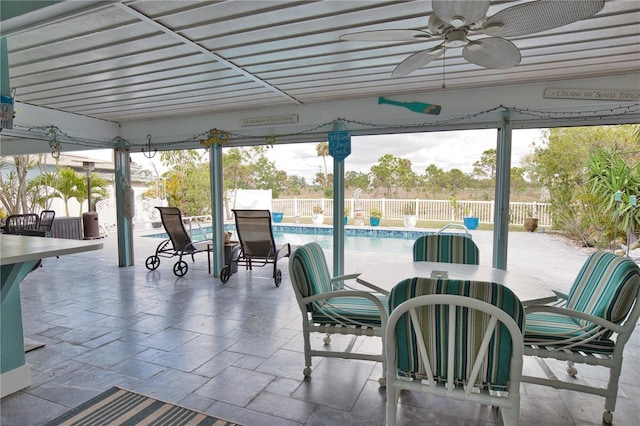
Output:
(330, 306)
(446, 248)
(455, 338)
(602, 303)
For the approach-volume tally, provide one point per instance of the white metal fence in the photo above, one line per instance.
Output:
(432, 210)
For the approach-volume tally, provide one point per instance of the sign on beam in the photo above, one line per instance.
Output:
(339, 144)
(6, 112)
(593, 94)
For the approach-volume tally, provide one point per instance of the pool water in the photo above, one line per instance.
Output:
(376, 240)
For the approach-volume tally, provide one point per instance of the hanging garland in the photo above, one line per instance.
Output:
(222, 137)
(216, 136)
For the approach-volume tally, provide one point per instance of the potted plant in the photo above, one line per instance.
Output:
(470, 220)
(409, 218)
(530, 221)
(347, 211)
(374, 216)
(318, 215)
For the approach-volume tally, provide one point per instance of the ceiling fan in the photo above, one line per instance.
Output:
(456, 23)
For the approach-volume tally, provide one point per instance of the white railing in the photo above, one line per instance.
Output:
(432, 210)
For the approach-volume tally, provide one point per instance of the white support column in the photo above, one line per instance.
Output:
(503, 179)
(217, 207)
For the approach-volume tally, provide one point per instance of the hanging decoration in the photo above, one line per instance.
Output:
(270, 140)
(419, 107)
(209, 137)
(219, 137)
(53, 142)
(148, 153)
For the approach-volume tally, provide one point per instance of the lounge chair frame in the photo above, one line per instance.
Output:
(178, 244)
(257, 245)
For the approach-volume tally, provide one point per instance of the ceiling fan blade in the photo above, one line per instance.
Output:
(460, 12)
(387, 35)
(537, 16)
(492, 52)
(417, 61)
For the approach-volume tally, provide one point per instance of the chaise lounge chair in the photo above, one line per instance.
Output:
(179, 242)
(257, 245)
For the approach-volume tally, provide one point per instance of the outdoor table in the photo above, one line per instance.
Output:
(385, 275)
(18, 255)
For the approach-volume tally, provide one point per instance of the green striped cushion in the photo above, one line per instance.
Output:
(605, 287)
(545, 329)
(446, 248)
(495, 368)
(353, 310)
(310, 270)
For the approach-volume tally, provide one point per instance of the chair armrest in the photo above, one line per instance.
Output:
(349, 293)
(560, 295)
(344, 277)
(341, 278)
(575, 314)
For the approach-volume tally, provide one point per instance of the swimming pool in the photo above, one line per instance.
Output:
(364, 239)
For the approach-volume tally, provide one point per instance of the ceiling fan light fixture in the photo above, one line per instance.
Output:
(457, 21)
(493, 28)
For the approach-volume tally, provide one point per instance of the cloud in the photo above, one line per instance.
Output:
(447, 150)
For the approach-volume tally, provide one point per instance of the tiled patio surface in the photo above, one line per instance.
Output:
(235, 350)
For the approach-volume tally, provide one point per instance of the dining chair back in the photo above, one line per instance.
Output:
(46, 221)
(455, 338)
(451, 248)
(329, 305)
(17, 223)
(603, 303)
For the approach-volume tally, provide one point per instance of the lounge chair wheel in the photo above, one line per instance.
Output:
(327, 340)
(382, 381)
(307, 372)
(152, 262)
(278, 278)
(180, 268)
(572, 371)
(607, 417)
(225, 274)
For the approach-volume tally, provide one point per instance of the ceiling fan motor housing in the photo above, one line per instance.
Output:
(455, 37)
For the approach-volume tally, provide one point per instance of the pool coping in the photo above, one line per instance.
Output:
(349, 231)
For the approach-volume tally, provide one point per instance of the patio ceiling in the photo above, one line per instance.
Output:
(128, 61)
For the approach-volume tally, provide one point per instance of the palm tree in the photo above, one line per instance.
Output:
(69, 185)
(322, 149)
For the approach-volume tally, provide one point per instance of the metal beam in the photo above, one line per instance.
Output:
(205, 51)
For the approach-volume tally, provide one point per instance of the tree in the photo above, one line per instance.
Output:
(485, 169)
(182, 163)
(68, 184)
(98, 190)
(454, 180)
(434, 178)
(393, 173)
(356, 180)
(562, 166)
(322, 150)
(14, 195)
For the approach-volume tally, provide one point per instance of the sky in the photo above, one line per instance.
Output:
(447, 150)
